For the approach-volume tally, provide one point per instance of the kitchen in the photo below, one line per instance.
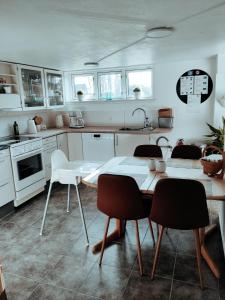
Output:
(68, 85)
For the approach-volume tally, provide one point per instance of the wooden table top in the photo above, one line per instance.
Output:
(177, 168)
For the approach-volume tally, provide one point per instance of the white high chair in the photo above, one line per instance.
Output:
(67, 172)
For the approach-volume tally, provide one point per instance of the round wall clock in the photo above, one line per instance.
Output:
(194, 85)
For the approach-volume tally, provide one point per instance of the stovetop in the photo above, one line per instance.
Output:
(7, 141)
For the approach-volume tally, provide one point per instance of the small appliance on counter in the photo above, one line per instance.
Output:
(165, 118)
(31, 126)
(76, 119)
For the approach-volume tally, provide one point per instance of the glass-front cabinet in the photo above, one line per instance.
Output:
(54, 88)
(32, 87)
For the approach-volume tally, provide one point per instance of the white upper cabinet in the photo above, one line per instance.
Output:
(54, 88)
(9, 87)
(32, 87)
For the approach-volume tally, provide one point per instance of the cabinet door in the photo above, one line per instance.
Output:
(54, 88)
(75, 146)
(125, 144)
(62, 143)
(32, 87)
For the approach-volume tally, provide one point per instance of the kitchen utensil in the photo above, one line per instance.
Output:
(31, 127)
(59, 121)
(160, 166)
(151, 164)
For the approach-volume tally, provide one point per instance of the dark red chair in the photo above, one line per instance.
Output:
(186, 152)
(180, 204)
(148, 151)
(119, 197)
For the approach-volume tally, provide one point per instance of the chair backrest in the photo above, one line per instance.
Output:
(180, 204)
(58, 159)
(186, 152)
(119, 197)
(148, 151)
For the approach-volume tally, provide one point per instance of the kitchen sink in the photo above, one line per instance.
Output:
(131, 128)
(136, 129)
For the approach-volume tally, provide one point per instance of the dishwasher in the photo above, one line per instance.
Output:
(98, 146)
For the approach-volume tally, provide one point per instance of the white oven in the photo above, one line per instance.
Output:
(28, 170)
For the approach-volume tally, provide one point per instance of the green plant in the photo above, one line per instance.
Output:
(79, 93)
(136, 90)
(217, 134)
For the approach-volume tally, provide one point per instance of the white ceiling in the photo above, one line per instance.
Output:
(65, 34)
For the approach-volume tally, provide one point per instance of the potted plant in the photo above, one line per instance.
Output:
(137, 92)
(217, 134)
(80, 95)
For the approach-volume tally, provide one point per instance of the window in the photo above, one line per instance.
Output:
(110, 85)
(113, 84)
(85, 84)
(139, 79)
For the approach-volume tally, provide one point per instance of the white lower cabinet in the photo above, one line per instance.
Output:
(49, 145)
(98, 146)
(7, 190)
(75, 146)
(62, 143)
(125, 144)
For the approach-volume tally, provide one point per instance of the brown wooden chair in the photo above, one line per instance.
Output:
(180, 204)
(148, 151)
(186, 152)
(119, 197)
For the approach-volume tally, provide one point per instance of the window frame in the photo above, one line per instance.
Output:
(74, 91)
(124, 83)
(99, 84)
(127, 82)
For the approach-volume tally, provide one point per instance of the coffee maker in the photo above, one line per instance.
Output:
(76, 119)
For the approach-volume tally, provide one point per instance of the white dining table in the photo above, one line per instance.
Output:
(137, 168)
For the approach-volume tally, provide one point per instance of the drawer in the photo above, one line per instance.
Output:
(5, 168)
(50, 139)
(50, 145)
(7, 193)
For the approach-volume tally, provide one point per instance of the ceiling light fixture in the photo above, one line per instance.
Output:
(91, 63)
(153, 33)
(159, 32)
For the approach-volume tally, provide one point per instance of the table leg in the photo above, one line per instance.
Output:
(205, 254)
(114, 236)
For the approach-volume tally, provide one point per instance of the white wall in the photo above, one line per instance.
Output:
(219, 111)
(7, 119)
(190, 126)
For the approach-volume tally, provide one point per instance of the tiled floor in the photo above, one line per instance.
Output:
(59, 266)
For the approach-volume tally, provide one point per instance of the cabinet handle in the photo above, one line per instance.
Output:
(4, 184)
(117, 141)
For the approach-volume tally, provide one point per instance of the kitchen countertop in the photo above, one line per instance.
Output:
(96, 129)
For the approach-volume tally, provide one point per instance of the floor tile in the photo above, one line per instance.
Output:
(184, 291)
(144, 288)
(105, 282)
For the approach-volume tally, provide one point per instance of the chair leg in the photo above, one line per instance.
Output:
(151, 230)
(68, 199)
(138, 247)
(198, 252)
(157, 251)
(46, 207)
(104, 240)
(81, 212)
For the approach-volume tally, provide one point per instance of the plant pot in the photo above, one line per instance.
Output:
(80, 97)
(137, 95)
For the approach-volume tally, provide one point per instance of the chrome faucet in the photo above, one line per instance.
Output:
(146, 121)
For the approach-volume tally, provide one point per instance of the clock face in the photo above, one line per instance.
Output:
(194, 84)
